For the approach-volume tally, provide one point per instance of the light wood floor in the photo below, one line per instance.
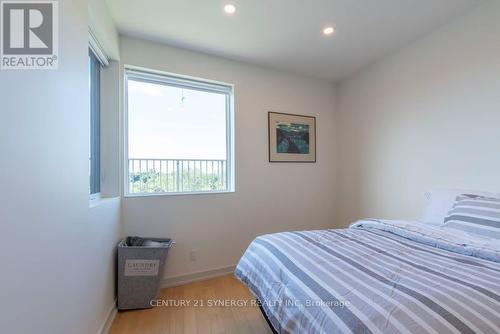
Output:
(194, 319)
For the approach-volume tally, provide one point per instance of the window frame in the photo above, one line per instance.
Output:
(95, 67)
(187, 82)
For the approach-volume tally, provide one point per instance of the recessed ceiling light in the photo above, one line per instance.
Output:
(328, 30)
(230, 8)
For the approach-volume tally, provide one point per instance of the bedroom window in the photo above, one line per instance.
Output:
(178, 136)
(95, 127)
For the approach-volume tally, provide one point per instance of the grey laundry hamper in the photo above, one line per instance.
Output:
(140, 266)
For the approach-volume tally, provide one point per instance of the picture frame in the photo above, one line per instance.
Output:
(291, 137)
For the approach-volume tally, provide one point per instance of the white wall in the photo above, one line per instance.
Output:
(269, 197)
(103, 27)
(426, 116)
(110, 130)
(56, 253)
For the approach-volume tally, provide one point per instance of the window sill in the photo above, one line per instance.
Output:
(196, 193)
(102, 201)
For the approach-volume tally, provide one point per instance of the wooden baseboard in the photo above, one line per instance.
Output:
(110, 316)
(198, 276)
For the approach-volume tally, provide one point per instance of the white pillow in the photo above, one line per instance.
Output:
(440, 201)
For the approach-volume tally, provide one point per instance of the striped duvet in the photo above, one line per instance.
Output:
(373, 278)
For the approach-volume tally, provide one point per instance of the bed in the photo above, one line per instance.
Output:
(377, 276)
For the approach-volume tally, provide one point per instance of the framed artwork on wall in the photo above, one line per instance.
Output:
(292, 138)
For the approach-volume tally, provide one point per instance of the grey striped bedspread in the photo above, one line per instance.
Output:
(372, 278)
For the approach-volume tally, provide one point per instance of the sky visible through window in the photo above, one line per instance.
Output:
(167, 122)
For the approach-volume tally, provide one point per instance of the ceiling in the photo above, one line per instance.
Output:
(287, 34)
